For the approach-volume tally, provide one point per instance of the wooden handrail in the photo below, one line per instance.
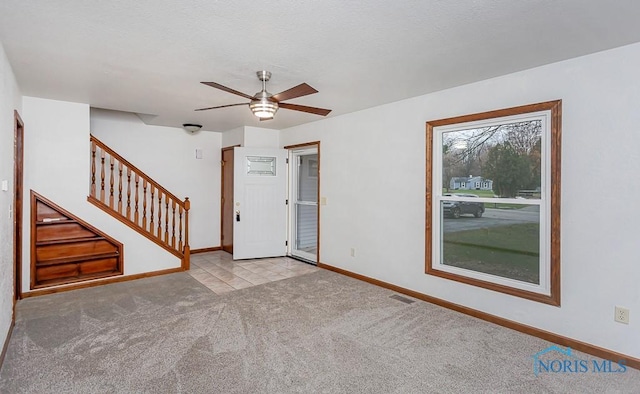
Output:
(134, 169)
(117, 187)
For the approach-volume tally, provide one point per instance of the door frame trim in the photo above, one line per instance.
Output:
(18, 186)
(302, 146)
(222, 150)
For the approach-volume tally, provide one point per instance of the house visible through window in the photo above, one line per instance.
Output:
(499, 236)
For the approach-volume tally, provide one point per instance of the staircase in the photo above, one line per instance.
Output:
(125, 192)
(67, 249)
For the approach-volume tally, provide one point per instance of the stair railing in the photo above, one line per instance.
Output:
(125, 192)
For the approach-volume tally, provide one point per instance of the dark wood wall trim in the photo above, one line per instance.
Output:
(523, 328)
(303, 145)
(224, 223)
(6, 343)
(18, 178)
(205, 250)
(94, 283)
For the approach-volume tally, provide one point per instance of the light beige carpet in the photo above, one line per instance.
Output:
(316, 333)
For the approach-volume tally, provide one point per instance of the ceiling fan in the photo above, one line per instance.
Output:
(264, 104)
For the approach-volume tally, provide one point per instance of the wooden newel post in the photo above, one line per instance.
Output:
(186, 261)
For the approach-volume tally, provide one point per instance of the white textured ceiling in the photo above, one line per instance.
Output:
(149, 56)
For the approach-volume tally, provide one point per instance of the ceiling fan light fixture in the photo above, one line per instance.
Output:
(264, 107)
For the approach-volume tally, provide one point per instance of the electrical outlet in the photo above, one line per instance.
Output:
(353, 252)
(621, 315)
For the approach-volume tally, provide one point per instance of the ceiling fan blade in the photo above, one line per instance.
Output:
(304, 108)
(297, 91)
(221, 106)
(226, 89)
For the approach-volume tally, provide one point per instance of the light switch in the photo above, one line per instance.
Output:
(5, 185)
(323, 201)
(198, 153)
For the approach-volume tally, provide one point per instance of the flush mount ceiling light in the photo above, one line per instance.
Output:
(264, 104)
(192, 128)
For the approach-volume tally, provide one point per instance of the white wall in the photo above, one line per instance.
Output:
(168, 155)
(56, 166)
(233, 137)
(257, 137)
(380, 153)
(10, 100)
(254, 137)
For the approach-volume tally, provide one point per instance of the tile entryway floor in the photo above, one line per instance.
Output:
(221, 274)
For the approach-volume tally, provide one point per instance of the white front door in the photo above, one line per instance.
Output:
(260, 210)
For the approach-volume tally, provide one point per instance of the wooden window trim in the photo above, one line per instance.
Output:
(555, 107)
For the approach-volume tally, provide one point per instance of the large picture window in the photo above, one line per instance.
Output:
(493, 200)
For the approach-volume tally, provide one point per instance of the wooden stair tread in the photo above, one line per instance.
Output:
(53, 222)
(76, 259)
(69, 240)
(78, 278)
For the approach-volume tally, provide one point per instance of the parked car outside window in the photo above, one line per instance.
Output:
(456, 208)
